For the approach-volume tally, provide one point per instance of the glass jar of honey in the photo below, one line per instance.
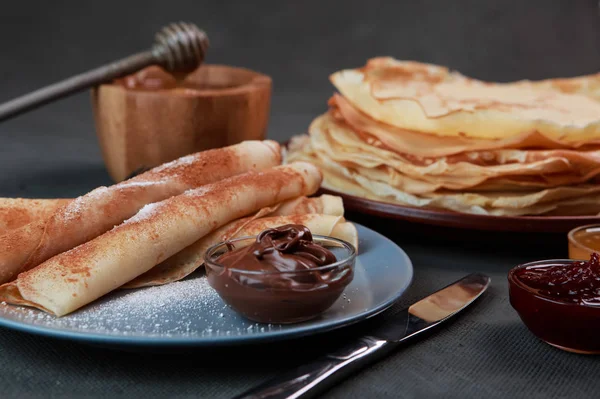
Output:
(583, 241)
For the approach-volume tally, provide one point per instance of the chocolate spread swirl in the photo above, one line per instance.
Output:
(288, 248)
(279, 278)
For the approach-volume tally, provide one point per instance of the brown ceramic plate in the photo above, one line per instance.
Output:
(538, 224)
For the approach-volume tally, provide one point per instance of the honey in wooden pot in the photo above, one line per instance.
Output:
(152, 117)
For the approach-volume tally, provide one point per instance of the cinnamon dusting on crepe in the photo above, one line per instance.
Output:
(189, 259)
(18, 212)
(113, 258)
(88, 216)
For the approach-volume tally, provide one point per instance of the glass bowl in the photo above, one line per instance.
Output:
(582, 240)
(573, 327)
(281, 297)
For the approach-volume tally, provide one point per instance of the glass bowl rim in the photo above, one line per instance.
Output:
(512, 280)
(578, 244)
(350, 258)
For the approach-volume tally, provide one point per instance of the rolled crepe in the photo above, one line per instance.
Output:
(189, 259)
(98, 211)
(318, 224)
(79, 276)
(324, 204)
(17, 212)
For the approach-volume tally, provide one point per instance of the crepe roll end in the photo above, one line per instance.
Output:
(332, 205)
(10, 293)
(273, 145)
(311, 173)
(346, 231)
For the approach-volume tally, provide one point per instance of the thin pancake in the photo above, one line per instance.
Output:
(98, 211)
(189, 259)
(497, 203)
(17, 212)
(588, 85)
(426, 145)
(517, 169)
(79, 276)
(427, 98)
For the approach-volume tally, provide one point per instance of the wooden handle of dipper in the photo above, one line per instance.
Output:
(178, 47)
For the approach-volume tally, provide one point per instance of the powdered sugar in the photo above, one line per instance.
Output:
(73, 209)
(186, 160)
(129, 183)
(188, 308)
(197, 190)
(146, 212)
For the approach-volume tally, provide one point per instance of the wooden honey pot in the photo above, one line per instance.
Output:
(152, 117)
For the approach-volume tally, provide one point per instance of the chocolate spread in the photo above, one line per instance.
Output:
(287, 248)
(276, 280)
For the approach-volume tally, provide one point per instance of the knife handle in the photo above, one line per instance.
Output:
(313, 378)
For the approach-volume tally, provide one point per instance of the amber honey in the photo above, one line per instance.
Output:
(152, 117)
(583, 241)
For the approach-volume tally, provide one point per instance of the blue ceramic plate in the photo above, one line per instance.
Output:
(190, 313)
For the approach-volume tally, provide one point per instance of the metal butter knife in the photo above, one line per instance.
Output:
(315, 377)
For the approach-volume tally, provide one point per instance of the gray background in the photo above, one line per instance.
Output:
(298, 43)
(53, 152)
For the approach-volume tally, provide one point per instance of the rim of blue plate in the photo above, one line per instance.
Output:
(222, 341)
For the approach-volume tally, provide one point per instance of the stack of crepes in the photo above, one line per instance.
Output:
(421, 135)
(59, 255)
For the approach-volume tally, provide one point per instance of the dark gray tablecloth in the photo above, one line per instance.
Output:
(487, 352)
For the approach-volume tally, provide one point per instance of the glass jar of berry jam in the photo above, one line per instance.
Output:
(559, 301)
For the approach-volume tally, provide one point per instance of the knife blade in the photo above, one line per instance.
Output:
(313, 378)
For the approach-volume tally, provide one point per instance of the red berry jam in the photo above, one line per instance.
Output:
(559, 301)
(577, 283)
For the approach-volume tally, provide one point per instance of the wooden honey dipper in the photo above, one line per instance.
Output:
(178, 47)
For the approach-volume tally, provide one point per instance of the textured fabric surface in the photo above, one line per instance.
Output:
(52, 152)
(485, 352)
